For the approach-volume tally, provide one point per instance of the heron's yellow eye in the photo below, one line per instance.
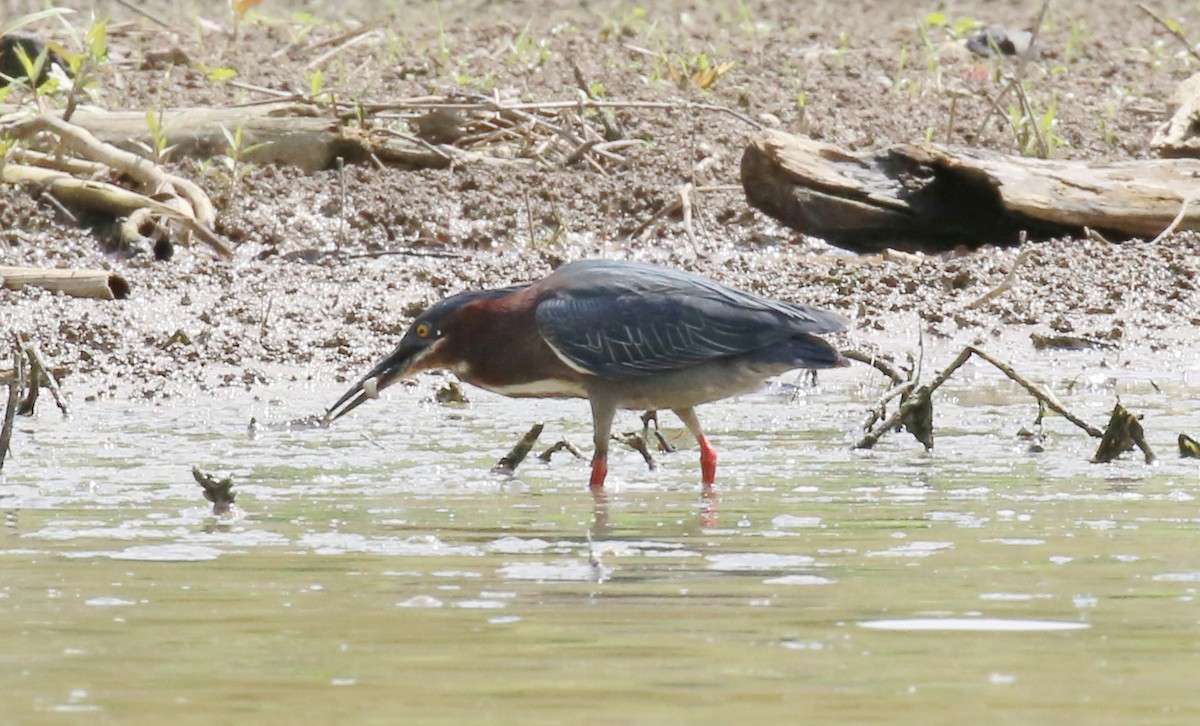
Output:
(423, 330)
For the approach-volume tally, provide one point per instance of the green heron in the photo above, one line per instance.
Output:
(620, 334)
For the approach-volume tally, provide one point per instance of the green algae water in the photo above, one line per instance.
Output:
(378, 573)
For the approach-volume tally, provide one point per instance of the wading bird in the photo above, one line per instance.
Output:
(620, 334)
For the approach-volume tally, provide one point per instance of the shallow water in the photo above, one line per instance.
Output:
(379, 573)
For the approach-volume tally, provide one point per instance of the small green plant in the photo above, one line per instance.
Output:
(632, 22)
(1077, 38)
(157, 150)
(527, 51)
(800, 98)
(316, 87)
(747, 22)
(85, 66)
(1036, 134)
(32, 67)
(219, 74)
(237, 152)
(1103, 123)
(843, 45)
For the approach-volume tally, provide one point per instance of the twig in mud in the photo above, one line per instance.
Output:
(1007, 282)
(638, 444)
(509, 463)
(1174, 225)
(645, 229)
(187, 202)
(14, 397)
(344, 42)
(612, 131)
(561, 446)
(1170, 28)
(341, 237)
(432, 103)
(664, 446)
(685, 203)
(409, 253)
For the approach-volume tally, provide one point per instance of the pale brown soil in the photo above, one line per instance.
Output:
(859, 74)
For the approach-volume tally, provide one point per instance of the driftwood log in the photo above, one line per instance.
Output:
(935, 198)
(287, 133)
(100, 284)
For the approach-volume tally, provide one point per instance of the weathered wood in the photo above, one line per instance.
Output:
(100, 284)
(285, 133)
(1177, 136)
(935, 198)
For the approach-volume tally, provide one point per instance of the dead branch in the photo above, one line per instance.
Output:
(561, 446)
(911, 411)
(635, 441)
(875, 362)
(14, 398)
(1172, 29)
(509, 462)
(112, 199)
(42, 374)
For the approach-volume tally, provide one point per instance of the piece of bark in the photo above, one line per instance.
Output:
(935, 198)
(1177, 137)
(99, 284)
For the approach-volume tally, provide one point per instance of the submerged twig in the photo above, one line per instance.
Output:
(563, 445)
(42, 374)
(912, 411)
(509, 463)
(14, 397)
(219, 492)
(635, 441)
(664, 446)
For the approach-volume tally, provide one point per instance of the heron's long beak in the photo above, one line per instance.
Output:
(397, 366)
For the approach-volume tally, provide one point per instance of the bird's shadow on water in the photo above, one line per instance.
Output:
(707, 512)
